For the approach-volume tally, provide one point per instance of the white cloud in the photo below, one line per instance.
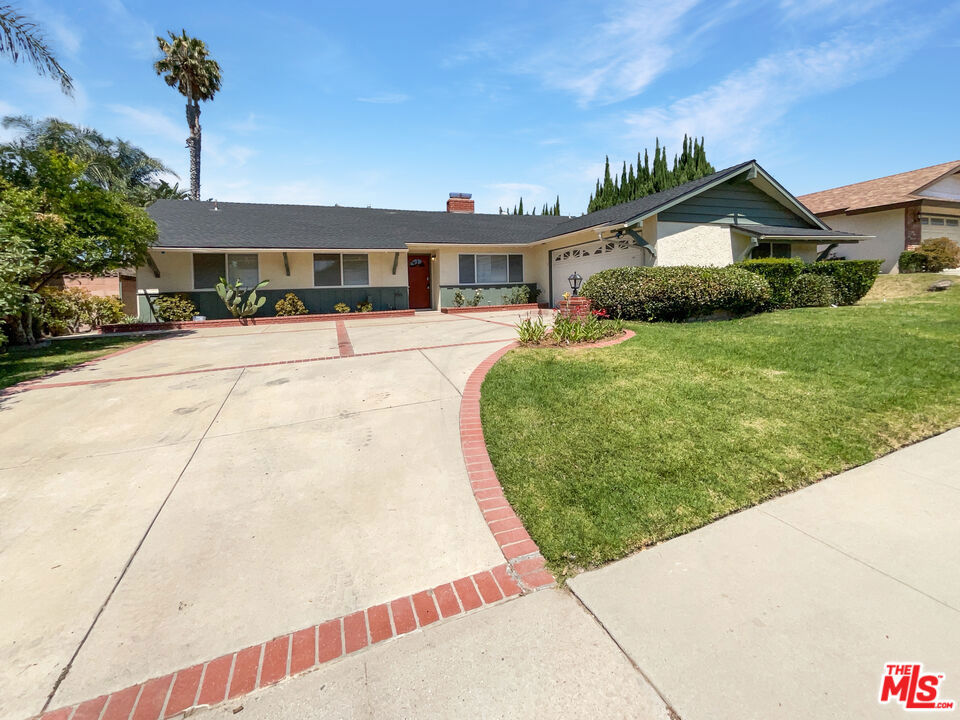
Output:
(137, 34)
(152, 122)
(248, 125)
(735, 112)
(827, 10)
(385, 99)
(599, 62)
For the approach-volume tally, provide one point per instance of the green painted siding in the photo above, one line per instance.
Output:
(492, 294)
(731, 201)
(317, 300)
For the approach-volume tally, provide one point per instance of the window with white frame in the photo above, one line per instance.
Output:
(489, 268)
(337, 269)
(208, 268)
(243, 267)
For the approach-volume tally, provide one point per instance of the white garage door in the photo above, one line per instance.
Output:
(594, 257)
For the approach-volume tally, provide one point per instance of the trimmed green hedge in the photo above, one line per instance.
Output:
(675, 293)
(812, 290)
(851, 278)
(780, 274)
(912, 262)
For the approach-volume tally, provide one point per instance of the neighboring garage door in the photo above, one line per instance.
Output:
(594, 257)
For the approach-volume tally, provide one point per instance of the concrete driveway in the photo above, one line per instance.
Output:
(216, 489)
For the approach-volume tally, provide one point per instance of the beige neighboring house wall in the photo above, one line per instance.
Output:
(886, 225)
(122, 284)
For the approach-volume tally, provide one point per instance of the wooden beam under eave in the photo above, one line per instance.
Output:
(153, 265)
(286, 264)
(396, 260)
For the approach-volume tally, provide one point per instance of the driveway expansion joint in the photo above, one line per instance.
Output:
(66, 668)
(239, 673)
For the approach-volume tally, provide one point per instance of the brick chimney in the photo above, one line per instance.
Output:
(460, 203)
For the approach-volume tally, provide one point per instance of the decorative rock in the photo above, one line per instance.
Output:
(940, 286)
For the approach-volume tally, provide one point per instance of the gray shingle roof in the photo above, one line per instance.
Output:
(795, 233)
(188, 224)
(642, 206)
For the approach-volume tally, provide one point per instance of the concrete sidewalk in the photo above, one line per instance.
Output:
(537, 656)
(792, 608)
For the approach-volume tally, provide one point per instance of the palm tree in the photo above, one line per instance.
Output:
(19, 35)
(114, 165)
(186, 66)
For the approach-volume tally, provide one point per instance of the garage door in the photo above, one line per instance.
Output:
(594, 257)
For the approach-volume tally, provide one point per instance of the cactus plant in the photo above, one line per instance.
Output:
(238, 305)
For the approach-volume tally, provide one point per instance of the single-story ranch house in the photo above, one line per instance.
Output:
(399, 259)
(900, 211)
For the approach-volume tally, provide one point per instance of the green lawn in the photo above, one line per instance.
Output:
(19, 364)
(604, 451)
(888, 287)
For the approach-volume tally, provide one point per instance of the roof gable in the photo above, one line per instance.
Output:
(736, 201)
(633, 212)
(898, 189)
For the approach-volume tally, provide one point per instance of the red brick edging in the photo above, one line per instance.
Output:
(231, 322)
(521, 552)
(267, 663)
(488, 308)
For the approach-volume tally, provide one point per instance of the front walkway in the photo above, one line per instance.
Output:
(211, 491)
(792, 609)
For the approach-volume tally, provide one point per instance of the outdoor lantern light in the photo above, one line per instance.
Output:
(575, 281)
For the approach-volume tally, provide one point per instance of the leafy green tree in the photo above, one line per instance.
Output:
(187, 66)
(19, 36)
(112, 164)
(54, 222)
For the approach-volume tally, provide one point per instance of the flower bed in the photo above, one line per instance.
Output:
(230, 322)
(490, 308)
(571, 331)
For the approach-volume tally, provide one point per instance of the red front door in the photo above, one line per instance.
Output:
(418, 277)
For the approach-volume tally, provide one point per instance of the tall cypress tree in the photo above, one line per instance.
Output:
(520, 210)
(690, 164)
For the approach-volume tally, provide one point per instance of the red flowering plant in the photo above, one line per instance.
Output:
(601, 313)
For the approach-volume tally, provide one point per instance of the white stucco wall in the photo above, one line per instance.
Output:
(692, 244)
(886, 225)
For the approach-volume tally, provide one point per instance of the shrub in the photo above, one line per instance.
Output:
(912, 262)
(519, 295)
(174, 308)
(477, 298)
(780, 274)
(812, 290)
(458, 299)
(341, 307)
(365, 306)
(71, 309)
(676, 293)
(105, 310)
(852, 278)
(290, 304)
(940, 254)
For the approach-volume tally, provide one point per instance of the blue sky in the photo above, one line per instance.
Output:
(397, 104)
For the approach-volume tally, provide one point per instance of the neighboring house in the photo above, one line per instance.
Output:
(122, 283)
(900, 211)
(403, 258)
